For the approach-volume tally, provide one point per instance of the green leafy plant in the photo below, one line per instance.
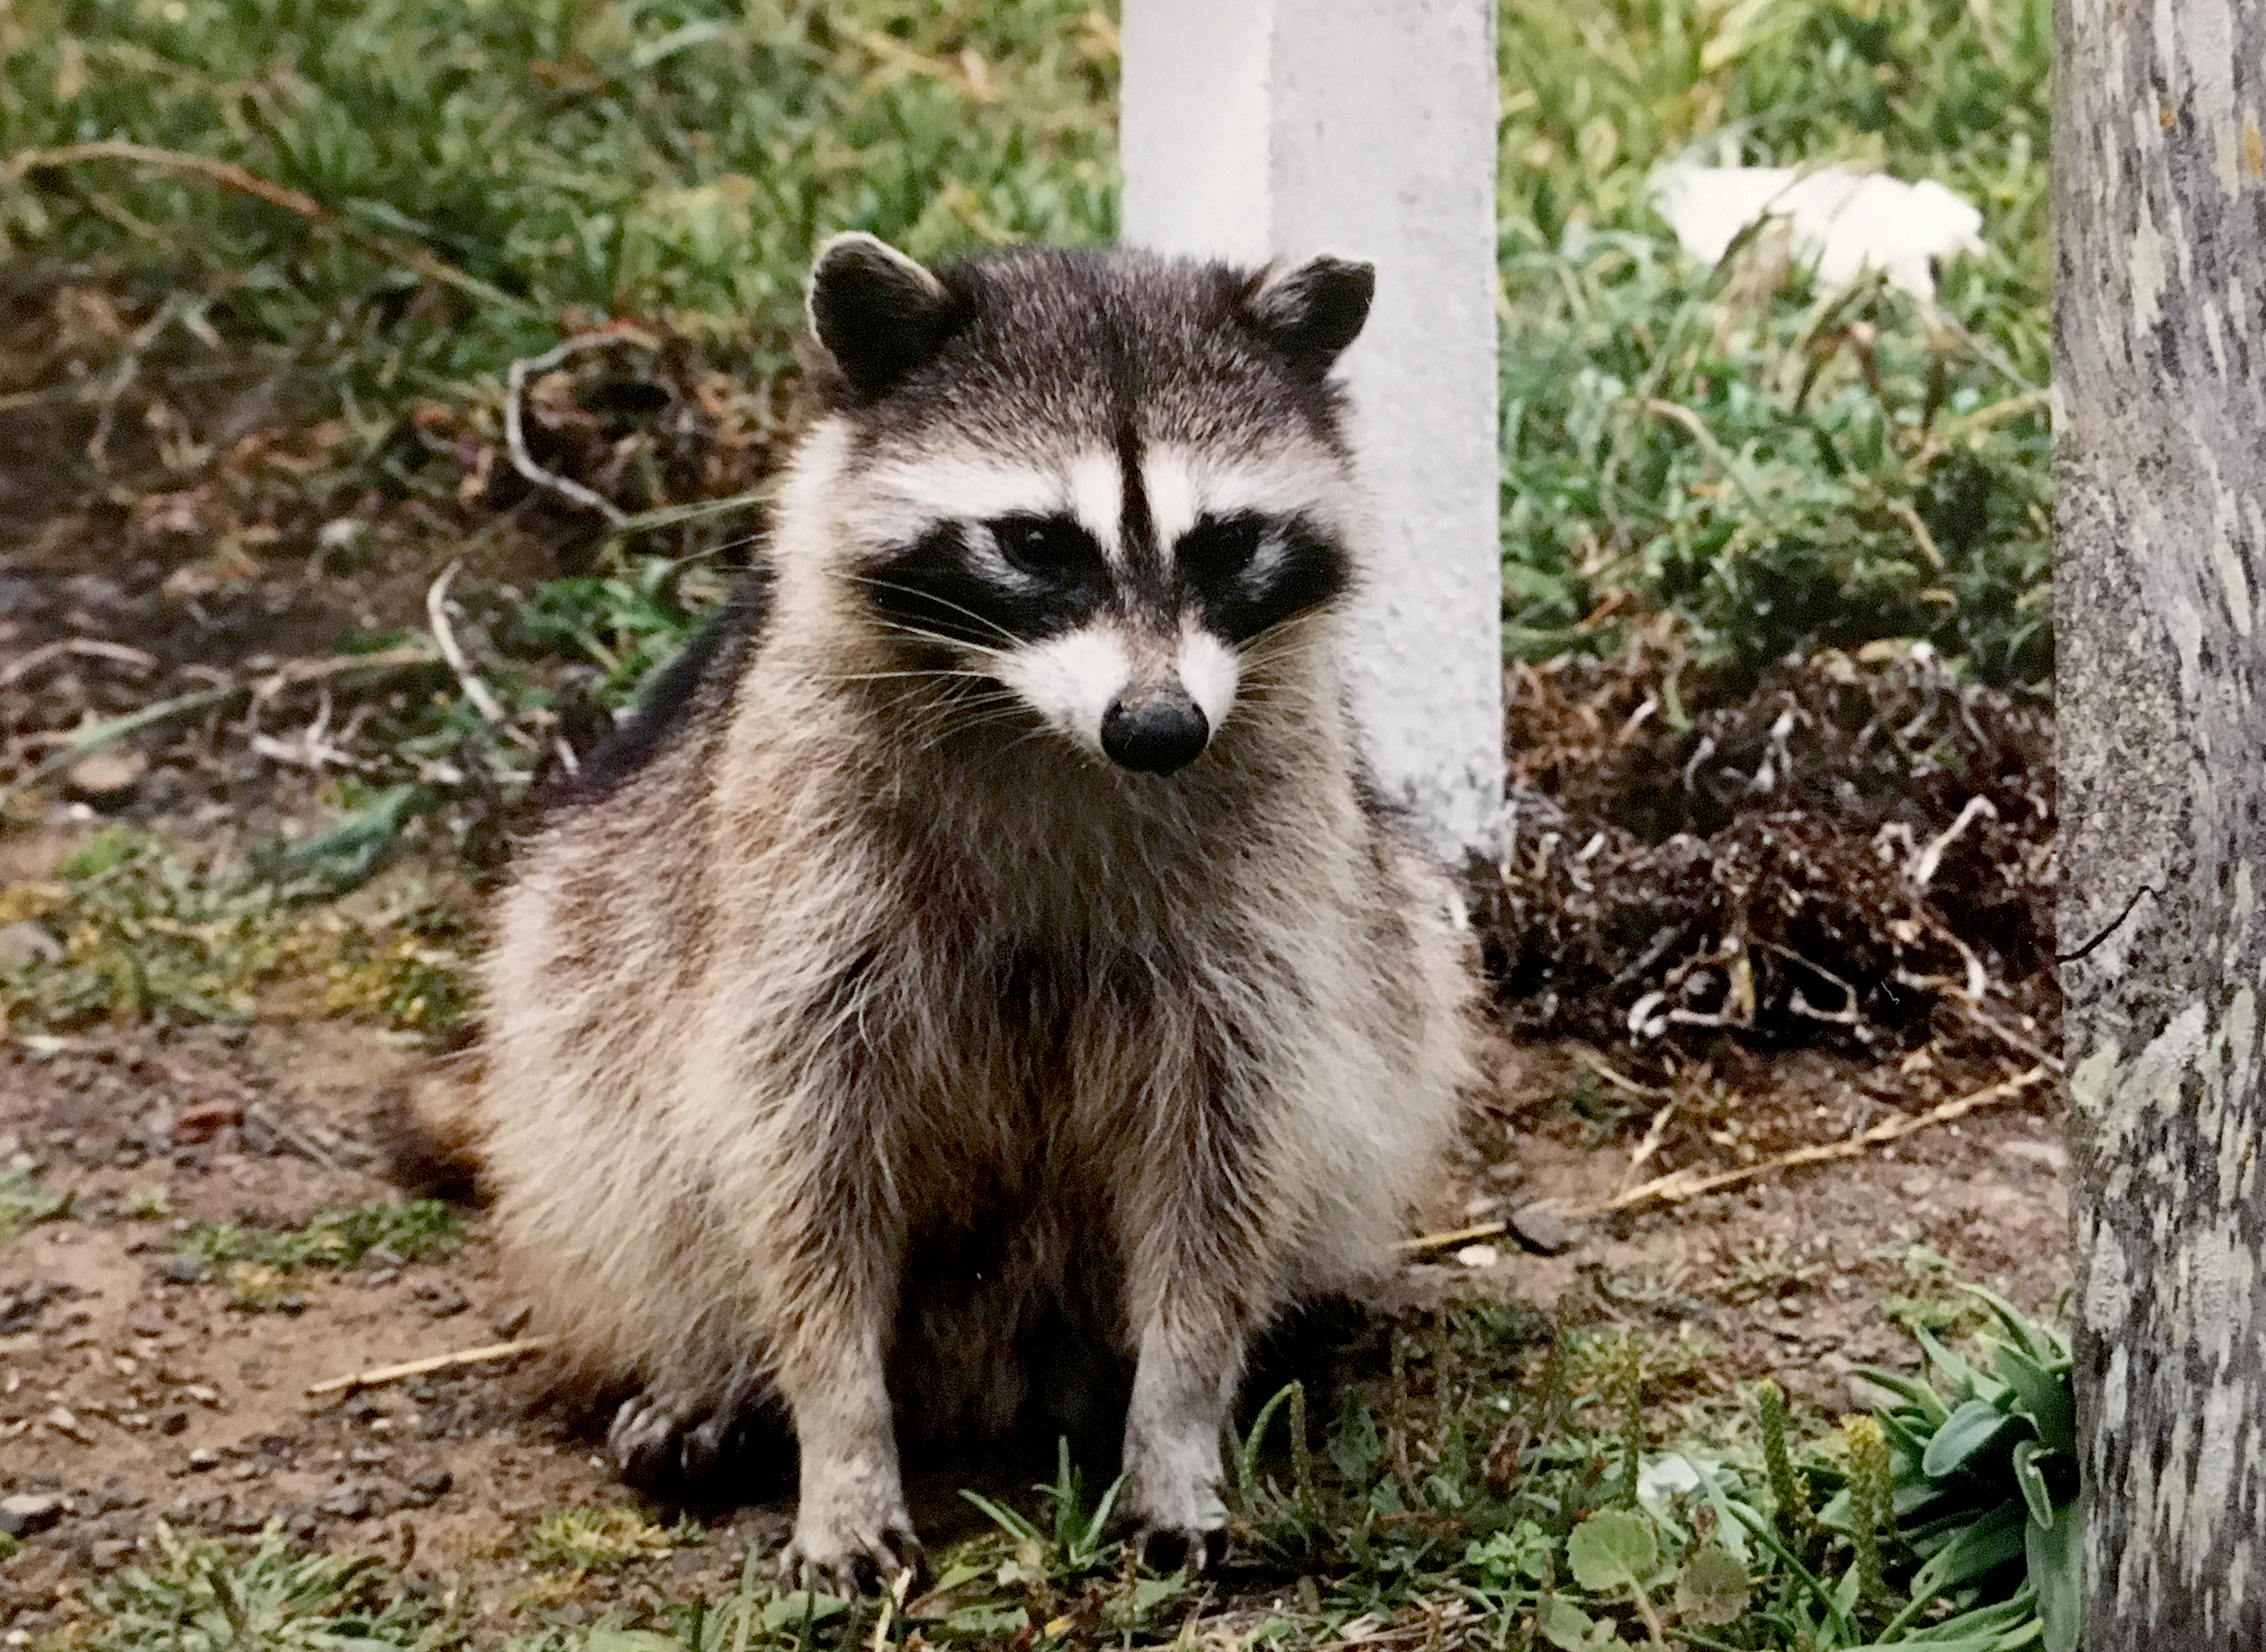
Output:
(1985, 1474)
(1073, 1542)
(199, 1596)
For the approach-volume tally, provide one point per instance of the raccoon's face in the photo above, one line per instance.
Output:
(1105, 484)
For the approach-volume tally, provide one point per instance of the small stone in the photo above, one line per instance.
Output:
(25, 1513)
(514, 1319)
(108, 779)
(28, 943)
(173, 1422)
(441, 1302)
(203, 1459)
(203, 1121)
(349, 1501)
(63, 1422)
(183, 1270)
(1478, 1256)
(1540, 1228)
(432, 1483)
(2046, 1156)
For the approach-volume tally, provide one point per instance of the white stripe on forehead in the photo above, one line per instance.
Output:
(1098, 496)
(965, 488)
(902, 498)
(1186, 484)
(1170, 484)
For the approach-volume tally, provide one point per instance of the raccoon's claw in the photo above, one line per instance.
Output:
(646, 1440)
(1163, 1549)
(669, 1450)
(865, 1564)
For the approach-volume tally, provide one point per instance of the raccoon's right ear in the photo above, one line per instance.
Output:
(1312, 312)
(879, 314)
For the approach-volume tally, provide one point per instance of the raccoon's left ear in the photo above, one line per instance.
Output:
(1312, 312)
(879, 314)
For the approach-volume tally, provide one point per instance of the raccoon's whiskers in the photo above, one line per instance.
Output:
(874, 582)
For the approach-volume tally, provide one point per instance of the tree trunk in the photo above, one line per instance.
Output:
(2160, 462)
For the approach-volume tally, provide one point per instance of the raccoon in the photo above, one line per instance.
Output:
(982, 965)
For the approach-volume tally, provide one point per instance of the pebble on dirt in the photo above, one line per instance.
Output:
(26, 1514)
(1540, 1228)
(28, 943)
(108, 779)
(201, 1122)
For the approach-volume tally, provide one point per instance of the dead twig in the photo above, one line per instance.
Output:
(1923, 866)
(93, 648)
(93, 736)
(1681, 1185)
(381, 1374)
(228, 175)
(437, 614)
(514, 431)
(1651, 1145)
(1620, 1081)
(1454, 1236)
(298, 1141)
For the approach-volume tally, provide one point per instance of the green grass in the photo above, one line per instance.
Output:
(679, 157)
(256, 1265)
(1775, 464)
(143, 936)
(604, 1539)
(204, 1597)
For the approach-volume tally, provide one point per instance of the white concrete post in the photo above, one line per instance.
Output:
(1256, 129)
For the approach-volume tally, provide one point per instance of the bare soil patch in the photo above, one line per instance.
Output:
(139, 1394)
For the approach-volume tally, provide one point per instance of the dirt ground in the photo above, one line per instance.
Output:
(130, 1386)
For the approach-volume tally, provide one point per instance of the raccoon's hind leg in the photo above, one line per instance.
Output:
(678, 1447)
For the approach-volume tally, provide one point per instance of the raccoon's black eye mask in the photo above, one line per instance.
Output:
(1246, 573)
(1240, 574)
(941, 587)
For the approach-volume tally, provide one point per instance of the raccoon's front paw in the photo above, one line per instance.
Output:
(851, 1557)
(1163, 1549)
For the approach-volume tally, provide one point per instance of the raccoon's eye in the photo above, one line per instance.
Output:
(1044, 546)
(1220, 547)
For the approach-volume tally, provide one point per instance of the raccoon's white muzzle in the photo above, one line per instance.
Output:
(1086, 684)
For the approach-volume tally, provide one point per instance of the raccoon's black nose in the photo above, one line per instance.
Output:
(1155, 733)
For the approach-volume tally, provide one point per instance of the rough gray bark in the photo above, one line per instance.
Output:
(2160, 460)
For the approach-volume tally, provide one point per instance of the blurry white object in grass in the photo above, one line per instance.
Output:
(1845, 222)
